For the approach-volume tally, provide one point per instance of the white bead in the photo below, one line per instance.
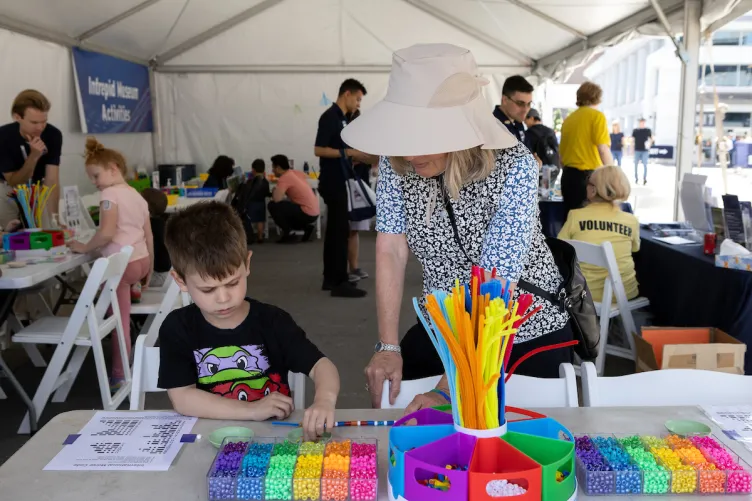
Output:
(502, 488)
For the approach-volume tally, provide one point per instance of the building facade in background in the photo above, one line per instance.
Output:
(642, 78)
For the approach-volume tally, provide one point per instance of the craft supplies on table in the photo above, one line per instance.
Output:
(124, 441)
(283, 470)
(31, 200)
(667, 464)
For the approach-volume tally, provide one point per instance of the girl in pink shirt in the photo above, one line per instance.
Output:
(123, 220)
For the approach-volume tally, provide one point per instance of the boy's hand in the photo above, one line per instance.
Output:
(274, 405)
(317, 418)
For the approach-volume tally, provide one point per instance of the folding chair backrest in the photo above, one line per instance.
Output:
(408, 391)
(603, 256)
(168, 301)
(105, 270)
(526, 391)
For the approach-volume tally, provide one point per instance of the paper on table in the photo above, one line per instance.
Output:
(125, 441)
(734, 420)
(673, 240)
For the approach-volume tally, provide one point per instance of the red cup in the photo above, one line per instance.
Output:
(710, 241)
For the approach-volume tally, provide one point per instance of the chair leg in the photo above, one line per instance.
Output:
(73, 368)
(49, 380)
(21, 393)
(34, 355)
(600, 361)
(3, 396)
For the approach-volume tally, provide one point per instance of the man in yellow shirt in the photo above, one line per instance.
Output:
(602, 220)
(585, 145)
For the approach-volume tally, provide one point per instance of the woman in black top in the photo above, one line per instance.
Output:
(220, 170)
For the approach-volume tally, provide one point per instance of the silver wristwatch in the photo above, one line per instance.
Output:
(394, 348)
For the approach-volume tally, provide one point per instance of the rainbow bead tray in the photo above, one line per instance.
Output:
(655, 465)
(278, 469)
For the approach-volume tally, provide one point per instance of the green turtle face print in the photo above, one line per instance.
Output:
(238, 372)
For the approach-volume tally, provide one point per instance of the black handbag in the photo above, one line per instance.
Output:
(573, 296)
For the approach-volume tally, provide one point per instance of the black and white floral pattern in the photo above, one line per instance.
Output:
(498, 222)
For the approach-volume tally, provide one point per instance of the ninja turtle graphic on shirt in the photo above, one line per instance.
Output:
(237, 372)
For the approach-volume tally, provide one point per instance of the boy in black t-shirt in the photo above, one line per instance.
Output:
(227, 356)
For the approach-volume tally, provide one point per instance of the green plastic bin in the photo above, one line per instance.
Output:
(553, 456)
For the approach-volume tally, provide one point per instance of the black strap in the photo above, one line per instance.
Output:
(522, 284)
(452, 221)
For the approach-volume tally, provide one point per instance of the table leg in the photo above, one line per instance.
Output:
(66, 289)
(5, 370)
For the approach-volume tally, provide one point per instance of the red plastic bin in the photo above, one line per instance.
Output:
(58, 238)
(495, 460)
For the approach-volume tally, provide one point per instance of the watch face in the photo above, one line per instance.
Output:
(378, 346)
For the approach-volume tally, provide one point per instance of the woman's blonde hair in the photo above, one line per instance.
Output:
(97, 154)
(462, 167)
(611, 184)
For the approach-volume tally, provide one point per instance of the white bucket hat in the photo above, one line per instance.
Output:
(434, 104)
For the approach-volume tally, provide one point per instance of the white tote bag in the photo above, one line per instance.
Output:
(361, 200)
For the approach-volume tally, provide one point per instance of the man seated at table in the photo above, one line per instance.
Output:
(301, 208)
(30, 149)
(227, 356)
(602, 220)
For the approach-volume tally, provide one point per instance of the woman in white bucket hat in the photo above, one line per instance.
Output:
(444, 156)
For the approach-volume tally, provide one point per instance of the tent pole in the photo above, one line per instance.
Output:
(545, 17)
(471, 31)
(156, 134)
(639, 18)
(313, 68)
(30, 30)
(687, 96)
(215, 30)
(112, 21)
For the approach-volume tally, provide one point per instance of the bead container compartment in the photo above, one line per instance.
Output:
(277, 469)
(659, 465)
(432, 461)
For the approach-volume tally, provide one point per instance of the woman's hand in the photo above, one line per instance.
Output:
(386, 365)
(77, 247)
(425, 400)
(12, 226)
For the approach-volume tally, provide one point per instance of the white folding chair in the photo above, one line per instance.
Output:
(85, 329)
(603, 256)
(521, 391)
(408, 391)
(157, 304)
(665, 388)
(146, 375)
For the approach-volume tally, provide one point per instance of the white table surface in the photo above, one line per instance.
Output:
(33, 274)
(22, 478)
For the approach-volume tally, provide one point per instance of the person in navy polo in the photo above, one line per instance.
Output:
(332, 187)
(30, 149)
(516, 100)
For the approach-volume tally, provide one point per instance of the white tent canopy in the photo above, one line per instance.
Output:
(341, 35)
(249, 78)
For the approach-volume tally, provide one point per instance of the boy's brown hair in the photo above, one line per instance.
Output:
(589, 94)
(29, 98)
(156, 200)
(206, 238)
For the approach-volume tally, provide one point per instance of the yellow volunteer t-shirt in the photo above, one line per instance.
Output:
(581, 133)
(598, 223)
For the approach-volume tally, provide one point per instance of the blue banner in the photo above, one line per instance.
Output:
(113, 95)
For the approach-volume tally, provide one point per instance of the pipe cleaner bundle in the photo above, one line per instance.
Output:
(472, 328)
(31, 200)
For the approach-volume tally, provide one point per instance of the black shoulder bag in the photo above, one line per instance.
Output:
(573, 297)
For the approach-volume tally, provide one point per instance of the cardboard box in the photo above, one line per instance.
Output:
(688, 348)
(734, 262)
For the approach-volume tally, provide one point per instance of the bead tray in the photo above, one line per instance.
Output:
(659, 465)
(277, 469)
(529, 455)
